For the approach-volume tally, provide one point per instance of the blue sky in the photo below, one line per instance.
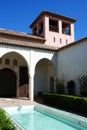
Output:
(17, 15)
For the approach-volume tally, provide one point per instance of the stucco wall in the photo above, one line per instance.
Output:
(41, 80)
(72, 63)
(43, 72)
(29, 57)
(69, 63)
(51, 35)
(20, 52)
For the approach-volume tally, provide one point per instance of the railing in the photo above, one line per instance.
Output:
(66, 31)
(38, 32)
(53, 28)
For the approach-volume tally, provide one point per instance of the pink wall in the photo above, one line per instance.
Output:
(55, 39)
(50, 35)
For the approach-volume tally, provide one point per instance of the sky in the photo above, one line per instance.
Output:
(17, 15)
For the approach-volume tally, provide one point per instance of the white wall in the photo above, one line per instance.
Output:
(43, 72)
(41, 79)
(72, 62)
(41, 76)
(69, 63)
(32, 57)
(25, 53)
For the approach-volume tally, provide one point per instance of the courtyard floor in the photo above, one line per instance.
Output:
(7, 102)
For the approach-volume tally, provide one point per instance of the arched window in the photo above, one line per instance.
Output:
(7, 61)
(15, 62)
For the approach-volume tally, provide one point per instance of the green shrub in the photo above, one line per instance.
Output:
(83, 85)
(59, 87)
(66, 102)
(5, 122)
(71, 87)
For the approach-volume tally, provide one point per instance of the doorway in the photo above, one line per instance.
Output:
(7, 83)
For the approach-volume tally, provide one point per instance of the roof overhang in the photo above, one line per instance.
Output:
(44, 13)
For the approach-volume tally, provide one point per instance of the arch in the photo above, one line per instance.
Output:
(44, 77)
(7, 83)
(20, 66)
(15, 56)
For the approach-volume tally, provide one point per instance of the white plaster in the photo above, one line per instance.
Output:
(72, 62)
(32, 57)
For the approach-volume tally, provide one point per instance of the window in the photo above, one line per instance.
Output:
(35, 31)
(7, 61)
(66, 28)
(53, 25)
(15, 62)
(60, 40)
(38, 30)
(41, 28)
(66, 41)
(0, 61)
(54, 39)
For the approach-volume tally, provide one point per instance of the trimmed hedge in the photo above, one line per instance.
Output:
(5, 122)
(66, 102)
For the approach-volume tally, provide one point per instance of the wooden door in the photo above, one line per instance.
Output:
(23, 82)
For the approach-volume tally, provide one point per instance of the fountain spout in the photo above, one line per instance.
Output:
(19, 107)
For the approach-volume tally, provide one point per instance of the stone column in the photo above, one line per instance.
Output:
(31, 84)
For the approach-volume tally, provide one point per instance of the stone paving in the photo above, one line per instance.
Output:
(7, 102)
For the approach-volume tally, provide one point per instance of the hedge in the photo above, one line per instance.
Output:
(66, 102)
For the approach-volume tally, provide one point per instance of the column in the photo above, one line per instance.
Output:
(72, 31)
(31, 84)
(31, 78)
(46, 27)
(60, 26)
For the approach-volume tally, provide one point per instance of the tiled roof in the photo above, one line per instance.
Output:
(43, 13)
(80, 41)
(21, 34)
(26, 40)
(22, 39)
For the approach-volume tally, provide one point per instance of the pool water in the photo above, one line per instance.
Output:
(31, 119)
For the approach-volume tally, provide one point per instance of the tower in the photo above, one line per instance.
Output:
(57, 30)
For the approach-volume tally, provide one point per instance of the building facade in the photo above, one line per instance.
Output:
(30, 64)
